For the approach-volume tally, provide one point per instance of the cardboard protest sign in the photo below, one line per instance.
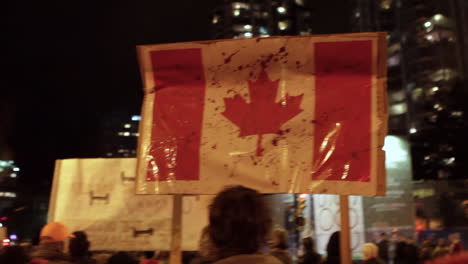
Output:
(98, 196)
(281, 114)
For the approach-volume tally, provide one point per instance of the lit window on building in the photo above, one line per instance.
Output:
(248, 27)
(394, 60)
(449, 161)
(427, 24)
(263, 30)
(357, 14)
(433, 118)
(127, 126)
(283, 25)
(413, 130)
(438, 107)
(8, 194)
(109, 154)
(386, 4)
(16, 169)
(417, 94)
(394, 47)
(435, 89)
(398, 109)
(124, 134)
(13, 175)
(239, 28)
(135, 134)
(430, 38)
(438, 17)
(215, 20)
(281, 9)
(444, 74)
(457, 114)
(240, 5)
(248, 34)
(236, 12)
(136, 118)
(397, 95)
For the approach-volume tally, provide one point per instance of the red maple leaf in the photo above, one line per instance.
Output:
(262, 115)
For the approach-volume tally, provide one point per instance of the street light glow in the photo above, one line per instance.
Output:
(281, 9)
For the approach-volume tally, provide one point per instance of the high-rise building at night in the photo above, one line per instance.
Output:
(427, 72)
(260, 18)
(9, 174)
(120, 136)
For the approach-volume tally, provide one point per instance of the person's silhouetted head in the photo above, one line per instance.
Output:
(13, 255)
(383, 236)
(370, 251)
(308, 244)
(239, 222)
(333, 246)
(149, 254)
(121, 258)
(79, 244)
(279, 238)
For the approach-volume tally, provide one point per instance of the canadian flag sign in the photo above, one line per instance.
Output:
(284, 114)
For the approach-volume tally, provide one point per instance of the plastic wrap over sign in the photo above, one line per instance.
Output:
(98, 196)
(281, 115)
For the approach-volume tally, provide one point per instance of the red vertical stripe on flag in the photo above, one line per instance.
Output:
(177, 115)
(343, 110)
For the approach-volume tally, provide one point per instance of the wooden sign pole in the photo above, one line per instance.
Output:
(345, 234)
(176, 231)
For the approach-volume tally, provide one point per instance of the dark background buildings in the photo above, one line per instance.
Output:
(426, 78)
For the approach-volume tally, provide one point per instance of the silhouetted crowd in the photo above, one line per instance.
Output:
(239, 232)
(403, 250)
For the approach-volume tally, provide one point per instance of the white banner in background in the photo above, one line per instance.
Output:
(98, 196)
(327, 221)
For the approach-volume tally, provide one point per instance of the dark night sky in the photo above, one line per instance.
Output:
(71, 63)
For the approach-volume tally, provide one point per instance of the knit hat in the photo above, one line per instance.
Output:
(55, 232)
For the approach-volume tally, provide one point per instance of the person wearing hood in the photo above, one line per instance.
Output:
(79, 249)
(333, 249)
(310, 255)
(52, 245)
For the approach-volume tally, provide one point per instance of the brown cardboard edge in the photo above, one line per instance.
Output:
(383, 115)
(207, 42)
(144, 139)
